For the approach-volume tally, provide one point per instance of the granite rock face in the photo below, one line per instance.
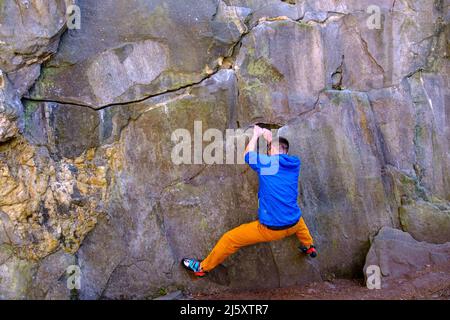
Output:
(90, 117)
(10, 110)
(398, 254)
(426, 221)
(157, 47)
(29, 35)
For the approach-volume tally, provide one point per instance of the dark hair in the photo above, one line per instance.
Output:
(283, 144)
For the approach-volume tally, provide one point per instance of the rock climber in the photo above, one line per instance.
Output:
(279, 215)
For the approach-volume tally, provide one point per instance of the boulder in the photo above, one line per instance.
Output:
(426, 221)
(398, 254)
(87, 170)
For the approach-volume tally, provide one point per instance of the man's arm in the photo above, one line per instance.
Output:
(257, 132)
(267, 134)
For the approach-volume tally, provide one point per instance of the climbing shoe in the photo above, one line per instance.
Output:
(311, 251)
(193, 265)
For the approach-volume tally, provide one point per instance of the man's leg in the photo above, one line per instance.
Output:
(303, 234)
(307, 242)
(233, 240)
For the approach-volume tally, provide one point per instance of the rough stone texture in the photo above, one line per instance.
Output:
(29, 34)
(51, 204)
(273, 85)
(158, 46)
(15, 274)
(398, 254)
(347, 204)
(10, 110)
(50, 279)
(426, 222)
(86, 176)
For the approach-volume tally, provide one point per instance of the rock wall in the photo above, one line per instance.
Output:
(87, 116)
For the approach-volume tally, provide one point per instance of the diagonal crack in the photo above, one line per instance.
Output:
(331, 16)
(126, 102)
(106, 286)
(277, 268)
(232, 52)
(369, 54)
(393, 5)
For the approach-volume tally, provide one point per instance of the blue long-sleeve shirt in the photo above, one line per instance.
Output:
(278, 188)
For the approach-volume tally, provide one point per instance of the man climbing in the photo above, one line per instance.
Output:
(279, 214)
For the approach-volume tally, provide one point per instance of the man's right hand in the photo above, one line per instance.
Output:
(267, 134)
(258, 131)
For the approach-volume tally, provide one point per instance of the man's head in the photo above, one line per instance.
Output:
(279, 145)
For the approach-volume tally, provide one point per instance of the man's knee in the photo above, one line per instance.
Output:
(231, 239)
(228, 238)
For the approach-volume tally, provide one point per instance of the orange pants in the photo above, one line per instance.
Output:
(248, 234)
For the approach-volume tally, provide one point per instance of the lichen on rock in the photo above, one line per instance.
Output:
(50, 204)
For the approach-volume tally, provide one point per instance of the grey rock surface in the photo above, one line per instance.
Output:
(86, 175)
(398, 254)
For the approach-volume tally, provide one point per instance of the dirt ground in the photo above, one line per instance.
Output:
(429, 283)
